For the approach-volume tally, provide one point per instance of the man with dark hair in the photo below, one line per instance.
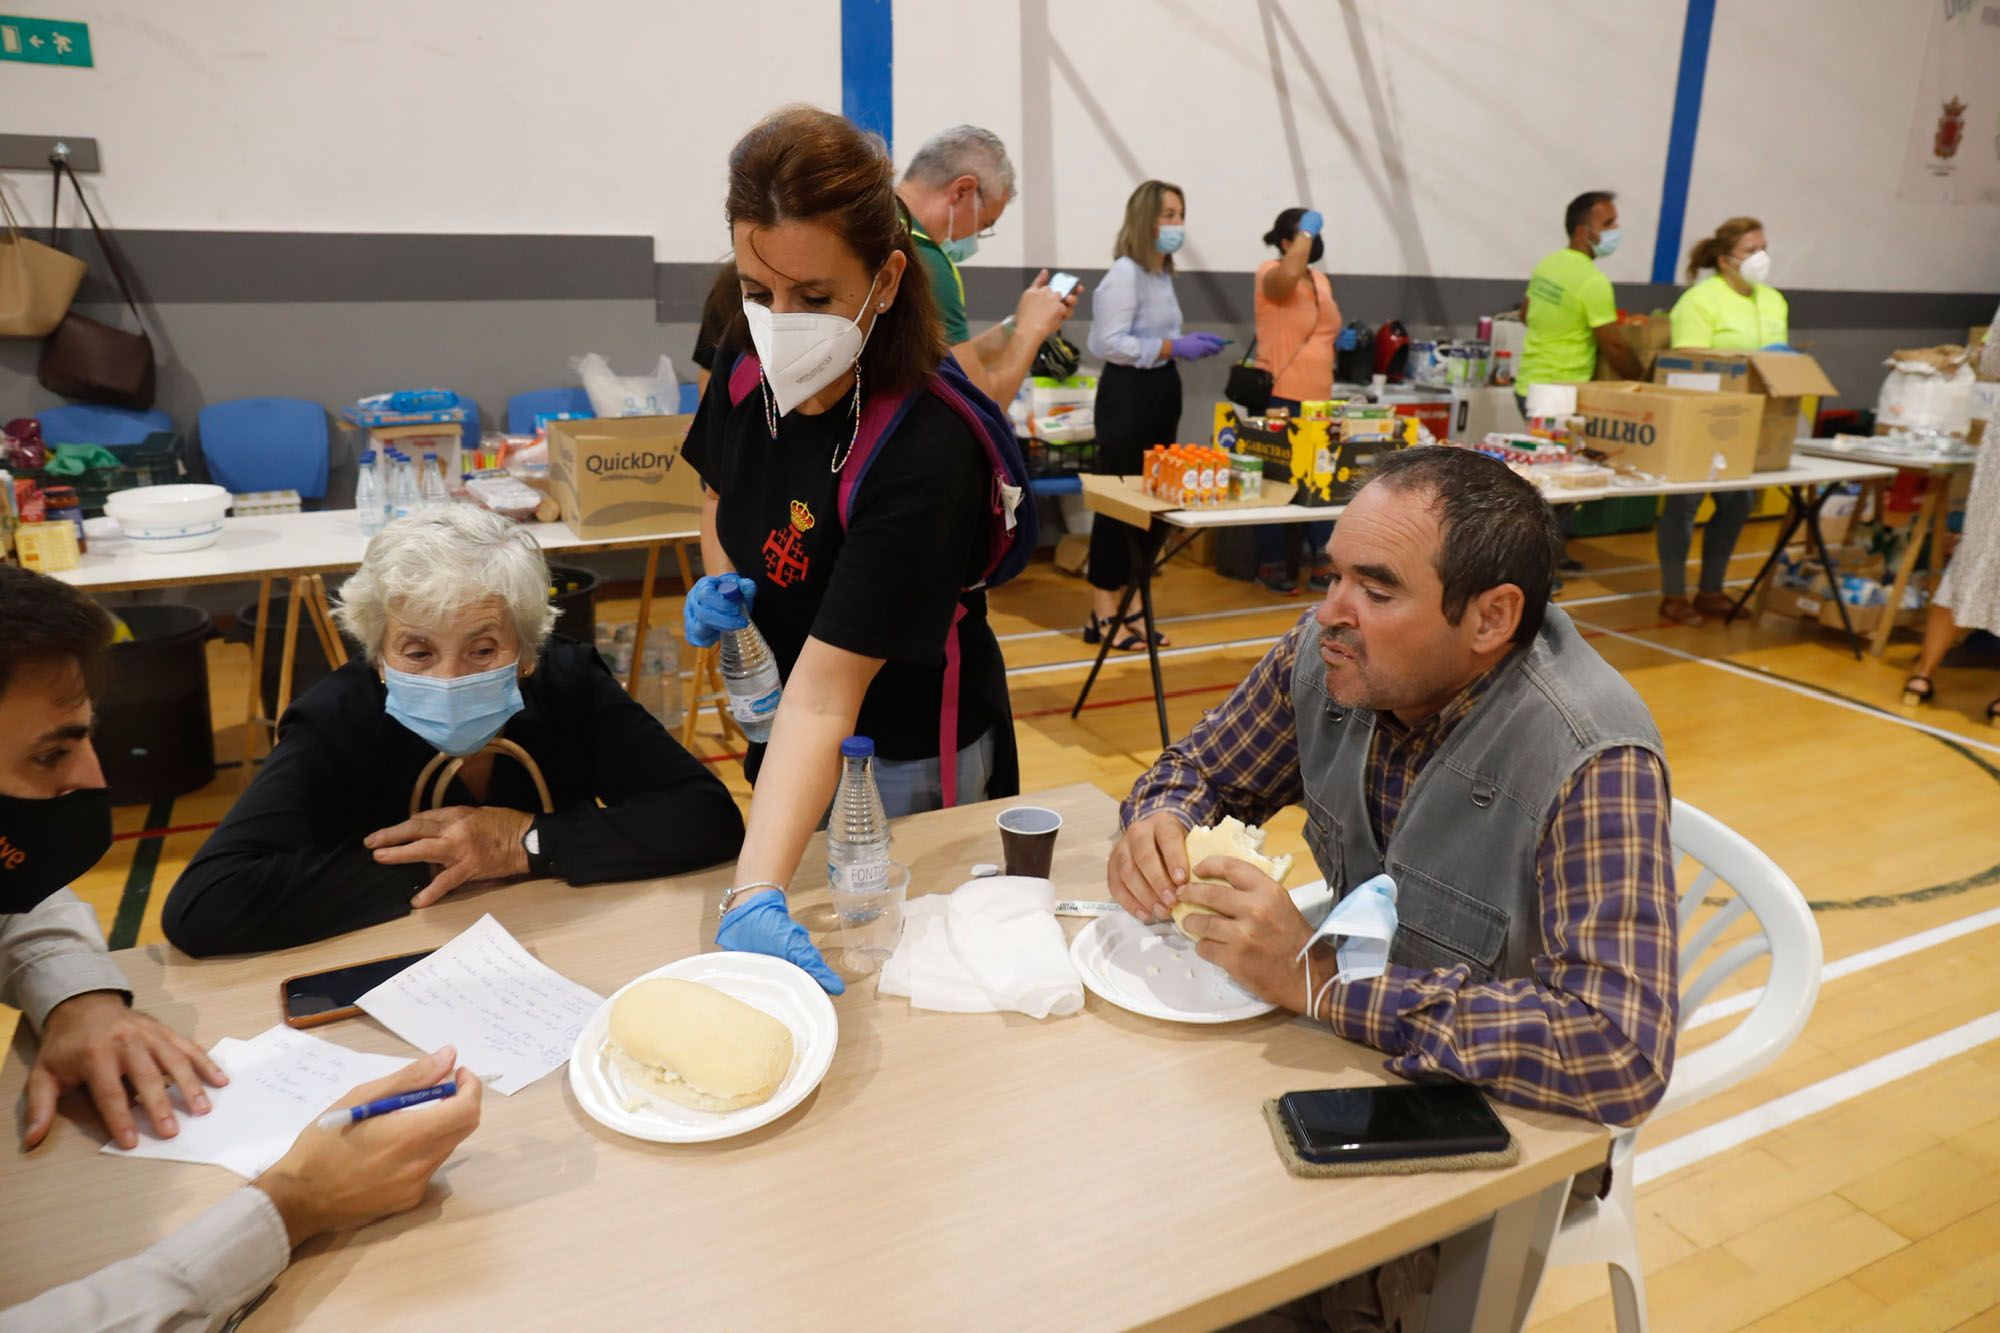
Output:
(55, 822)
(1443, 725)
(1570, 310)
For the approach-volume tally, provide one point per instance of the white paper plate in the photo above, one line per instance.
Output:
(1154, 970)
(787, 993)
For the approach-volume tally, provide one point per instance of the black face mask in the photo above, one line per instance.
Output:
(46, 844)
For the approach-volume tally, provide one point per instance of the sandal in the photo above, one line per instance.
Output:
(1134, 631)
(1993, 714)
(1913, 697)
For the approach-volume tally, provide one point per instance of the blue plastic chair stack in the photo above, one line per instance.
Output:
(87, 423)
(266, 444)
(523, 408)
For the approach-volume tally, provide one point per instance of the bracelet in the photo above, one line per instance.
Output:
(729, 896)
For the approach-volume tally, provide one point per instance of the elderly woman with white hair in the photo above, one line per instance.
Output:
(538, 762)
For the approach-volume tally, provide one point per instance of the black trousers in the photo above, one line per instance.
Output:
(1136, 409)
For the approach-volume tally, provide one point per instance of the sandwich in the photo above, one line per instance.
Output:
(1232, 837)
(694, 1045)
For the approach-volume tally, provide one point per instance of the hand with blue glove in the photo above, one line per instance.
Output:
(710, 609)
(1312, 224)
(763, 925)
(1778, 347)
(1195, 346)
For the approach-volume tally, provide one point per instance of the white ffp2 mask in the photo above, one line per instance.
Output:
(803, 353)
(1757, 268)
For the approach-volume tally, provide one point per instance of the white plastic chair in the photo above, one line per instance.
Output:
(1606, 1231)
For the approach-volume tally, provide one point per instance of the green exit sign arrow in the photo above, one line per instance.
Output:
(44, 41)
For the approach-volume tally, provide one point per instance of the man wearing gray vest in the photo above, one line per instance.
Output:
(1443, 724)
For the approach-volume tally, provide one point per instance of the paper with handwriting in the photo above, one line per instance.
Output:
(513, 1019)
(279, 1083)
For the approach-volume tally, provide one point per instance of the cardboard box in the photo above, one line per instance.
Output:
(1783, 378)
(1480, 412)
(1674, 434)
(619, 476)
(1125, 499)
(1072, 551)
(1647, 336)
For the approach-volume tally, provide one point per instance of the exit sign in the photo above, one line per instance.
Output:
(44, 41)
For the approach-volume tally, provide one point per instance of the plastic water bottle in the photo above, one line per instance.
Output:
(369, 504)
(431, 493)
(857, 836)
(750, 673)
(400, 489)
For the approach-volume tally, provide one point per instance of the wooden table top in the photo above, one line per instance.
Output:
(979, 1171)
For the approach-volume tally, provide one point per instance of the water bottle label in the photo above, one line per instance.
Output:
(862, 877)
(757, 709)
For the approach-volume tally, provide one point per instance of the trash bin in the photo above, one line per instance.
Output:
(572, 590)
(309, 664)
(155, 734)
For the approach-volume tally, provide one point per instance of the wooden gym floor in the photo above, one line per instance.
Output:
(1854, 1184)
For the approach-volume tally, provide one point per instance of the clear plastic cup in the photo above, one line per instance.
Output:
(871, 922)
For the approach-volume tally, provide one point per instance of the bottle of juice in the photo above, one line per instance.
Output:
(1191, 495)
(1205, 463)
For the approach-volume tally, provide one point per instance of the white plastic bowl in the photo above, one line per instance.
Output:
(164, 519)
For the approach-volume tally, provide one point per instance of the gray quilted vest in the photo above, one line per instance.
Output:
(1463, 851)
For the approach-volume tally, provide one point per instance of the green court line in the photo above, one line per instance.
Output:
(139, 879)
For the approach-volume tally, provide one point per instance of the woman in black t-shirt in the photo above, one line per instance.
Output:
(857, 613)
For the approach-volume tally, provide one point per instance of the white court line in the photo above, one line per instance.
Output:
(1859, 962)
(1806, 691)
(1794, 1106)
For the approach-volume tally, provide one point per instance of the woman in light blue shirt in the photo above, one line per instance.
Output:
(1136, 328)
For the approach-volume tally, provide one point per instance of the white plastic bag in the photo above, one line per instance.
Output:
(1921, 396)
(655, 395)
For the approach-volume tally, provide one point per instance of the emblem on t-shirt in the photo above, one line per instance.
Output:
(785, 558)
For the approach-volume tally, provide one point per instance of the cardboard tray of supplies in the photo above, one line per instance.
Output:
(1125, 499)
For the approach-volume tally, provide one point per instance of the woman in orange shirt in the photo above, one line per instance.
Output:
(1296, 323)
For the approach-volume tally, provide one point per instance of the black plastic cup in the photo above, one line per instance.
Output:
(1028, 839)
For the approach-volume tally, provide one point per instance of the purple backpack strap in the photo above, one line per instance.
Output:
(743, 377)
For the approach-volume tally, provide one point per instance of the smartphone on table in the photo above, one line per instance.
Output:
(314, 998)
(1062, 284)
(1377, 1124)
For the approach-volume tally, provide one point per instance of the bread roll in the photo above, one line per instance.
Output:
(1232, 837)
(694, 1045)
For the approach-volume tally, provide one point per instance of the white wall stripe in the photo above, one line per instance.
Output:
(1859, 962)
(1795, 1106)
(1802, 690)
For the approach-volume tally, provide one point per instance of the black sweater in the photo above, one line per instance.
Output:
(287, 866)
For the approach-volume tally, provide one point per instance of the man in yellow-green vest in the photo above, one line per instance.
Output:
(1571, 314)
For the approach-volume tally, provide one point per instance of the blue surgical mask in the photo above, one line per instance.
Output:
(1607, 244)
(1169, 239)
(457, 715)
(958, 249)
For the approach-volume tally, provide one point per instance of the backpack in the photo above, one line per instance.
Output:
(1011, 531)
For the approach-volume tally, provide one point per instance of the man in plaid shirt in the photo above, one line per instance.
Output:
(1443, 724)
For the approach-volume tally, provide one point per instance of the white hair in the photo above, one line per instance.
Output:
(430, 566)
(964, 150)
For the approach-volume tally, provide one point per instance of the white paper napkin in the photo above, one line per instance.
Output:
(988, 946)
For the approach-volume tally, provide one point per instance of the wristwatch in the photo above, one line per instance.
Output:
(531, 843)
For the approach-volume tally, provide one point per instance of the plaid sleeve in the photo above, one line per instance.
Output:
(1241, 759)
(1591, 1033)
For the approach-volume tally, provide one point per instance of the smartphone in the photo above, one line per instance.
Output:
(1371, 1124)
(325, 997)
(1062, 284)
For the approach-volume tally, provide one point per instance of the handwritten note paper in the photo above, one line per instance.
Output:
(513, 1019)
(279, 1082)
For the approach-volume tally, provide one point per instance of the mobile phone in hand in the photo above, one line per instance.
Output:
(1062, 284)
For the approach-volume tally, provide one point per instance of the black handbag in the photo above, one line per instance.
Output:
(87, 359)
(1249, 385)
(1057, 357)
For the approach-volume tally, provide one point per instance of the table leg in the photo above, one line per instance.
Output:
(1143, 565)
(1918, 528)
(1487, 1274)
(253, 709)
(1793, 517)
(289, 652)
(645, 618)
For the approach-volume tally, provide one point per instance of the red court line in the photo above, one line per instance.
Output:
(720, 758)
(165, 832)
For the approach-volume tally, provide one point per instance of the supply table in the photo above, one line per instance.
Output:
(1807, 482)
(303, 548)
(973, 1171)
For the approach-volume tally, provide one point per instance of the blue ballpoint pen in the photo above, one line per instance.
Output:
(382, 1106)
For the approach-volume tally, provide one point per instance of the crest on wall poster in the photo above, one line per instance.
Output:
(1955, 106)
(1950, 129)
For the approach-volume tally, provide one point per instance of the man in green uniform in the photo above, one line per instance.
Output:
(954, 191)
(1571, 314)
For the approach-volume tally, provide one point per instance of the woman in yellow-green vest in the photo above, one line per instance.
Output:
(1731, 310)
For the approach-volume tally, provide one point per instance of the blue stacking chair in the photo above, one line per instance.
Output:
(523, 408)
(88, 423)
(266, 444)
(690, 397)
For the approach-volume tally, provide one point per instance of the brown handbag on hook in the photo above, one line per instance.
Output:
(88, 359)
(37, 282)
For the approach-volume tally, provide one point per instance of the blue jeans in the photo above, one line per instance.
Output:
(910, 786)
(1271, 542)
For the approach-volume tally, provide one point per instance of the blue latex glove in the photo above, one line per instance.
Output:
(706, 612)
(1312, 224)
(762, 925)
(1195, 346)
(1777, 347)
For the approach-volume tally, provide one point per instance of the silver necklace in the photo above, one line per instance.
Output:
(771, 419)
